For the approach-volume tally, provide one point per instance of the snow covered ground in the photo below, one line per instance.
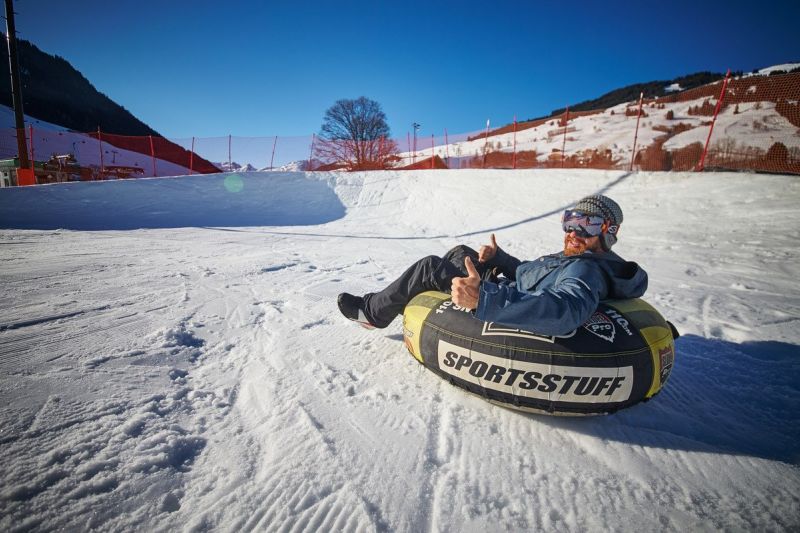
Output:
(171, 358)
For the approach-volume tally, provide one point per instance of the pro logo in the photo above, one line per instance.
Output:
(602, 326)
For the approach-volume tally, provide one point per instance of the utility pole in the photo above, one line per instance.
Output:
(16, 88)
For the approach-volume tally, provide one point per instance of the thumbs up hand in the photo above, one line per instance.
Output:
(487, 252)
(465, 291)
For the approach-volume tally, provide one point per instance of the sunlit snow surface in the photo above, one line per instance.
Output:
(171, 357)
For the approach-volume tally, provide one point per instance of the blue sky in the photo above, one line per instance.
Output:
(207, 68)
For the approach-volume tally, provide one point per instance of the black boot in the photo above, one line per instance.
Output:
(352, 307)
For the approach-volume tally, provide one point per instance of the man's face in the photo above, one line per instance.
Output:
(574, 245)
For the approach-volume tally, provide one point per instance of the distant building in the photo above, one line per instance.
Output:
(63, 168)
(8, 171)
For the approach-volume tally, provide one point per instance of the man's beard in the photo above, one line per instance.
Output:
(580, 245)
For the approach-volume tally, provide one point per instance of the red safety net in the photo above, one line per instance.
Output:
(756, 127)
(158, 148)
(760, 118)
(234, 153)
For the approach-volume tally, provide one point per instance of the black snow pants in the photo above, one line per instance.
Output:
(430, 273)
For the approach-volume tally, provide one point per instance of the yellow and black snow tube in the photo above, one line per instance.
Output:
(621, 356)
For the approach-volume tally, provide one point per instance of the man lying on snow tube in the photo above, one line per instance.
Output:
(552, 296)
(622, 355)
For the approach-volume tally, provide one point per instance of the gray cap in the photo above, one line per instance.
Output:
(597, 204)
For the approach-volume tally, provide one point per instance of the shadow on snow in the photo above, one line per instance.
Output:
(234, 200)
(722, 397)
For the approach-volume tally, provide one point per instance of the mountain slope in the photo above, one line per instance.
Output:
(651, 89)
(54, 91)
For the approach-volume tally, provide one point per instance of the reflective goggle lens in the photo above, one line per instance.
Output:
(582, 224)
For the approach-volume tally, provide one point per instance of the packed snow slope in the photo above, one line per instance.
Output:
(171, 358)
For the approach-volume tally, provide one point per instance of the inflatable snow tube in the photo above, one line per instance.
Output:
(621, 356)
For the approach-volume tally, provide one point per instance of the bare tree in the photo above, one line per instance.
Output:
(355, 135)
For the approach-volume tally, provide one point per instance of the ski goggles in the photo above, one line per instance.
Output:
(582, 224)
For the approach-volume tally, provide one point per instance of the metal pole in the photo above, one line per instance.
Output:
(16, 87)
(310, 155)
(274, 144)
(416, 127)
(446, 150)
(701, 165)
(636, 135)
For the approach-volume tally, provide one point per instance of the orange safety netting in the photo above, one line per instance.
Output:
(756, 127)
(158, 148)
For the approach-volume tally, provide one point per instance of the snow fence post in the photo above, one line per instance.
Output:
(636, 134)
(485, 144)
(701, 165)
(153, 155)
(564, 143)
(100, 143)
(31, 130)
(514, 154)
